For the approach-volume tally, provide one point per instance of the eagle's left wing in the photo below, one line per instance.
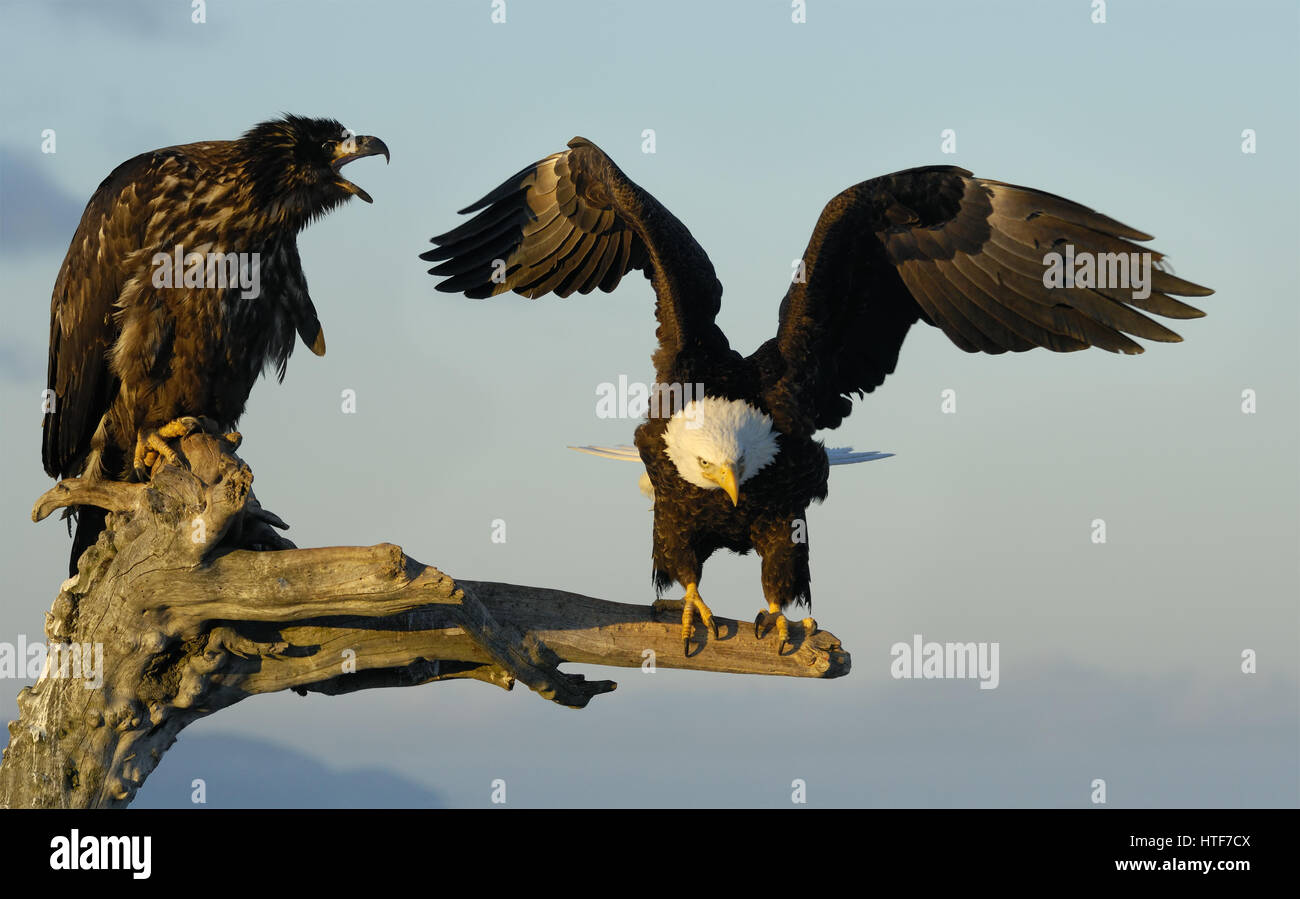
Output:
(965, 254)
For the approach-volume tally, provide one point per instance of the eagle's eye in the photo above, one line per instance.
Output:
(327, 146)
(703, 464)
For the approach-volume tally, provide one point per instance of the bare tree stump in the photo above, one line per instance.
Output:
(191, 601)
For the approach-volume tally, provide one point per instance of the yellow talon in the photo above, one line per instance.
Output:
(764, 622)
(156, 443)
(690, 603)
(150, 446)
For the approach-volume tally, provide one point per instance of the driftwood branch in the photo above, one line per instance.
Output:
(191, 601)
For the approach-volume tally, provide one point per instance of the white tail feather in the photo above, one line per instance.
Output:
(839, 455)
(844, 455)
(626, 453)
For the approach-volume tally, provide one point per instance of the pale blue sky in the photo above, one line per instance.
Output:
(1118, 661)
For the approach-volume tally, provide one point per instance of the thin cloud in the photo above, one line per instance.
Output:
(35, 213)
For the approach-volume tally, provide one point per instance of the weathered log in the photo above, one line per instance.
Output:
(192, 601)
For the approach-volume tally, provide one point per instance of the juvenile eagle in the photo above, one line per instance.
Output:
(182, 283)
(735, 468)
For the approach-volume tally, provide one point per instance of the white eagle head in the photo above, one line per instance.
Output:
(719, 444)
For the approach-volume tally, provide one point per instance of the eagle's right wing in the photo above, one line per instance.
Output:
(574, 222)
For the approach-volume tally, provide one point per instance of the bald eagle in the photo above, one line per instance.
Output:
(181, 284)
(737, 467)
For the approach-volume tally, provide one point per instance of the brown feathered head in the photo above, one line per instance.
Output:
(293, 165)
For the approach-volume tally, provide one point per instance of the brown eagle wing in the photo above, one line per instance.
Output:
(573, 222)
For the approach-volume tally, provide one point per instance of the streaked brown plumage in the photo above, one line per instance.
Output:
(128, 356)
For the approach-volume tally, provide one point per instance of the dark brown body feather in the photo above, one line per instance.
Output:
(691, 524)
(126, 356)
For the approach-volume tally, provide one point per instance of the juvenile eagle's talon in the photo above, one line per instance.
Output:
(158, 444)
(150, 446)
(179, 427)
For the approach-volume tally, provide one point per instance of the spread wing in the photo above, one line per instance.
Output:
(83, 329)
(573, 222)
(961, 253)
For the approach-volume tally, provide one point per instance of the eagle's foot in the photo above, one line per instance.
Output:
(690, 603)
(152, 445)
(765, 621)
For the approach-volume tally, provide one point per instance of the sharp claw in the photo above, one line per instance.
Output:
(686, 647)
(780, 647)
(713, 628)
(758, 619)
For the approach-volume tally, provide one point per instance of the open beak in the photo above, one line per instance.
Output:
(726, 479)
(356, 148)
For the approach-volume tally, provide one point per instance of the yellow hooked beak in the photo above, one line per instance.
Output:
(725, 477)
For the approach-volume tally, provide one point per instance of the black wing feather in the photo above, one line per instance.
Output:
(962, 253)
(574, 223)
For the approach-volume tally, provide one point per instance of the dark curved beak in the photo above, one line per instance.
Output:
(357, 148)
